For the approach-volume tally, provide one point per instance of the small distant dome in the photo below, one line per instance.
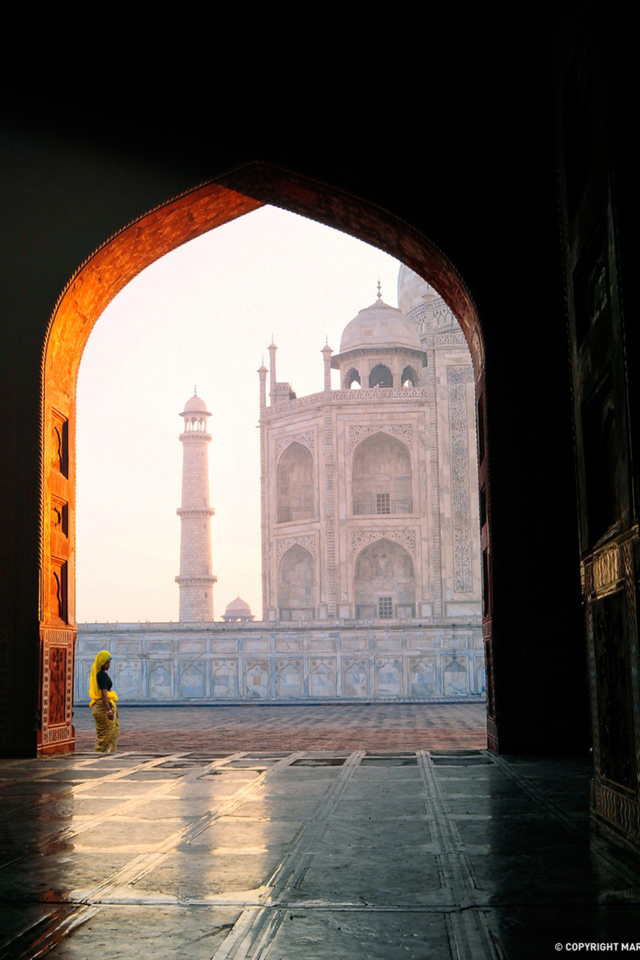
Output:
(238, 609)
(380, 326)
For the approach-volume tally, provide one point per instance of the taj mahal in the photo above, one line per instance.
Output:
(371, 583)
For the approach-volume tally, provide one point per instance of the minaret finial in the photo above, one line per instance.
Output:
(379, 290)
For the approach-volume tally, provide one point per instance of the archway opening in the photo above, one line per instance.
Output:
(71, 324)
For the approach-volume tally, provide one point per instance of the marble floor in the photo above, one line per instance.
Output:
(305, 855)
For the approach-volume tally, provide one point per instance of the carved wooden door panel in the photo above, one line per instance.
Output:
(56, 733)
(589, 153)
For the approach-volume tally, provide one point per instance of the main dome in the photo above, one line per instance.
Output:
(412, 289)
(379, 326)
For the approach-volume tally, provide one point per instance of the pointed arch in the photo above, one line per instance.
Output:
(91, 288)
(297, 590)
(380, 376)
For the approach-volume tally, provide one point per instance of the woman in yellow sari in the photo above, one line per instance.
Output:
(103, 706)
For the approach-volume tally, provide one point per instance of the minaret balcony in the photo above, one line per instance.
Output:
(196, 581)
(195, 512)
(195, 436)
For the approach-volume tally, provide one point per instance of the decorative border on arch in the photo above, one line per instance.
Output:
(358, 432)
(307, 439)
(360, 538)
(457, 379)
(309, 542)
(57, 639)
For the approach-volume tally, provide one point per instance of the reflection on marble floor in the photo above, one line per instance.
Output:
(306, 855)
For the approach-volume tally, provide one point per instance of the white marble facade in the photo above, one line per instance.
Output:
(369, 492)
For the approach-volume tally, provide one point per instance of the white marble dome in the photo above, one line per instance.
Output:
(379, 326)
(411, 289)
(238, 609)
(195, 405)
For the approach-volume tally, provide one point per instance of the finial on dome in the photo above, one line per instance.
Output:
(379, 290)
(195, 390)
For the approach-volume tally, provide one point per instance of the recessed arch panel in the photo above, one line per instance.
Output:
(297, 590)
(384, 579)
(295, 489)
(382, 476)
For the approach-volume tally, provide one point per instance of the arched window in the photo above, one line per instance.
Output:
(384, 581)
(352, 380)
(382, 476)
(296, 500)
(380, 376)
(297, 584)
(409, 377)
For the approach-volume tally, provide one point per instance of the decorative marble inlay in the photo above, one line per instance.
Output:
(358, 432)
(434, 484)
(351, 396)
(360, 538)
(457, 380)
(307, 439)
(443, 319)
(310, 543)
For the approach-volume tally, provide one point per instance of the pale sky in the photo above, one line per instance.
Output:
(204, 314)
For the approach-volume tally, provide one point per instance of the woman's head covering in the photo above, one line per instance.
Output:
(94, 690)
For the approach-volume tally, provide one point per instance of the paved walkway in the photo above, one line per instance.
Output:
(344, 855)
(375, 726)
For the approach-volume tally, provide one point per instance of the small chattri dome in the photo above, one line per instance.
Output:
(195, 405)
(238, 609)
(195, 409)
(380, 326)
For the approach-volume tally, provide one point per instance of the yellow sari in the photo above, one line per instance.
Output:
(106, 730)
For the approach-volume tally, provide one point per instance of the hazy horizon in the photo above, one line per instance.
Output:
(202, 315)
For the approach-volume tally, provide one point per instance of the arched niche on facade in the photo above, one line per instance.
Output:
(409, 377)
(454, 679)
(352, 380)
(297, 584)
(384, 581)
(295, 484)
(381, 477)
(102, 275)
(380, 376)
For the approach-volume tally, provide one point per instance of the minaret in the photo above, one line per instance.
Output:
(262, 373)
(326, 356)
(196, 580)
